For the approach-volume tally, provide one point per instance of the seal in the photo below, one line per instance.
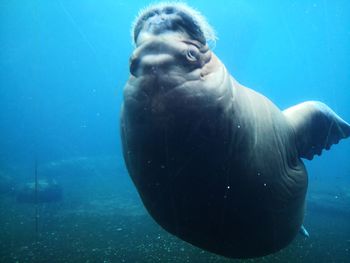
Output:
(215, 163)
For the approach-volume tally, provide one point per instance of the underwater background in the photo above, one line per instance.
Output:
(63, 65)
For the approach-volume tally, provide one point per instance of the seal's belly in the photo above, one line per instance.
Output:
(216, 185)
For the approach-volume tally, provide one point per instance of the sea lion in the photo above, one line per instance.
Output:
(215, 163)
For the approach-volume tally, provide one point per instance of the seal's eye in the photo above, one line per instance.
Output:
(192, 54)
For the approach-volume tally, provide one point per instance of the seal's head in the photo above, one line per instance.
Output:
(170, 34)
(171, 17)
(172, 64)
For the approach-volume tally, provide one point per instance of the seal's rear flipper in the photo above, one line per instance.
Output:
(316, 127)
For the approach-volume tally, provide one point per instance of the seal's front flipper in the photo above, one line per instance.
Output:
(316, 127)
(303, 231)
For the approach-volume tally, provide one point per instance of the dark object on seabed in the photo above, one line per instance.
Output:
(47, 191)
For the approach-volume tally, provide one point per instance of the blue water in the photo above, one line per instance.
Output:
(63, 65)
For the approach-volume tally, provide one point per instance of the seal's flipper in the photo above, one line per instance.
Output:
(304, 232)
(316, 127)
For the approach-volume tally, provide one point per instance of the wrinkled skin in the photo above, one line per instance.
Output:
(215, 163)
